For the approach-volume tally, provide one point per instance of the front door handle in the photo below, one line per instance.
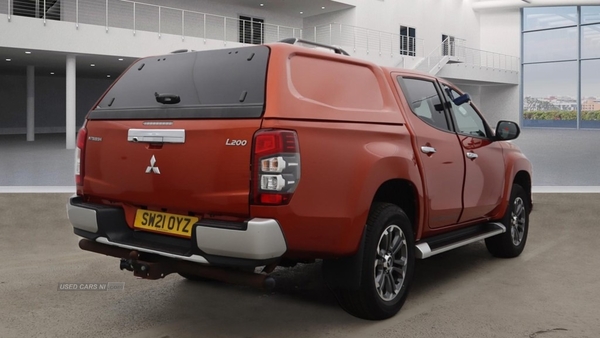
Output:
(427, 150)
(471, 155)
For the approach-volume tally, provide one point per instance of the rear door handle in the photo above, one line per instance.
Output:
(471, 155)
(427, 150)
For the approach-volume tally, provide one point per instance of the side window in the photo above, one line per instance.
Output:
(466, 118)
(425, 101)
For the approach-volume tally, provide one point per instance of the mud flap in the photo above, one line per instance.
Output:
(345, 273)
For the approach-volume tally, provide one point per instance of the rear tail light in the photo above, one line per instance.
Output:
(276, 166)
(79, 156)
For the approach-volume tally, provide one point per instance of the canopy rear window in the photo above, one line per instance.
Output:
(225, 83)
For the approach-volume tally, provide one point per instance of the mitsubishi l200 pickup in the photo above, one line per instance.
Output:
(215, 163)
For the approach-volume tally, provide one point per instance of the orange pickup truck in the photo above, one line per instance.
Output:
(214, 164)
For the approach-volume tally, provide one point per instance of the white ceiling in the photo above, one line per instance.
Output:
(293, 7)
(49, 61)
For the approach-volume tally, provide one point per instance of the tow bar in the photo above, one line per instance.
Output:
(150, 266)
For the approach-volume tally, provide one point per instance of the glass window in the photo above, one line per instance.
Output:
(425, 101)
(466, 117)
(590, 41)
(251, 30)
(548, 17)
(550, 95)
(590, 94)
(590, 14)
(550, 45)
(407, 40)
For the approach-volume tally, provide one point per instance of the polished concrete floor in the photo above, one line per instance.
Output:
(563, 160)
(551, 291)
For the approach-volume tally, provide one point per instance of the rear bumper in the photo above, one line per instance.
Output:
(257, 241)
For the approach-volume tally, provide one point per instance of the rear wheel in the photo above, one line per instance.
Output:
(516, 220)
(388, 266)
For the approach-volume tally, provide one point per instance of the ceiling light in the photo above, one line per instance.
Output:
(51, 73)
(28, 52)
(261, 5)
(8, 60)
(108, 75)
(92, 65)
(301, 12)
(120, 59)
(323, 7)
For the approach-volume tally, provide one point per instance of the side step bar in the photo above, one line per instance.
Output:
(446, 242)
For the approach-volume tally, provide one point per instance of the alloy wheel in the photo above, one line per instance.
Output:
(390, 263)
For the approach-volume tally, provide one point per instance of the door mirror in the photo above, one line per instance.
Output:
(507, 130)
(464, 98)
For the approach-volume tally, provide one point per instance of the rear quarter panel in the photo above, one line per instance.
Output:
(342, 166)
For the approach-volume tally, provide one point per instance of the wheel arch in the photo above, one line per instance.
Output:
(404, 194)
(523, 178)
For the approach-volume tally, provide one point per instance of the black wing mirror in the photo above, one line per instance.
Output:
(507, 130)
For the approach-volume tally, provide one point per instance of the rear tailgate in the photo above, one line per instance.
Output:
(175, 132)
(201, 175)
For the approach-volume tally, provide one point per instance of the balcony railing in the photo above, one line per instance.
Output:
(482, 58)
(455, 51)
(138, 16)
(364, 39)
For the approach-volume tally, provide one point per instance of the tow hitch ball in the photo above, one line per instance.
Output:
(135, 266)
(126, 264)
(141, 268)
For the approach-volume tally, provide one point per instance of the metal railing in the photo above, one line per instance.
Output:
(455, 51)
(482, 58)
(368, 40)
(138, 16)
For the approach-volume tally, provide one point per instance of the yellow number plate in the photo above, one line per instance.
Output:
(165, 223)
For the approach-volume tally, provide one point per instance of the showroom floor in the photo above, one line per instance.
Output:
(550, 291)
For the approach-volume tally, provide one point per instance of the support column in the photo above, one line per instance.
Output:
(30, 103)
(71, 100)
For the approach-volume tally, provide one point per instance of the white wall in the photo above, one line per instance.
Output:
(501, 31)
(345, 16)
(431, 18)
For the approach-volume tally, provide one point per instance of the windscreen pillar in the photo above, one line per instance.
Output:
(71, 101)
(30, 103)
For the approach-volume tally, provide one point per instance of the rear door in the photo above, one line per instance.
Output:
(175, 132)
(438, 148)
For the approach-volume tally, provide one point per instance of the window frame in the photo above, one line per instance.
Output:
(408, 43)
(488, 130)
(400, 80)
(250, 38)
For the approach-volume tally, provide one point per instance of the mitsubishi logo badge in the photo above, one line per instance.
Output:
(152, 167)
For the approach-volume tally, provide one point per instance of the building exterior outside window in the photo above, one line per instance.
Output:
(561, 67)
(407, 40)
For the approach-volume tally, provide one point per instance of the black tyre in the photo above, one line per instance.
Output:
(516, 220)
(387, 268)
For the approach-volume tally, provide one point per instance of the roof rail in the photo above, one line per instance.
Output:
(180, 51)
(293, 41)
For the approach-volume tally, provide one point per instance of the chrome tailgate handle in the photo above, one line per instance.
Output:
(156, 135)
